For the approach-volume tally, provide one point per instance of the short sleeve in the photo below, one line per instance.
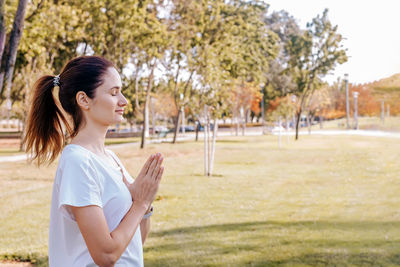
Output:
(78, 185)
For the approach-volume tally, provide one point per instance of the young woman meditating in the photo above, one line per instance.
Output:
(99, 214)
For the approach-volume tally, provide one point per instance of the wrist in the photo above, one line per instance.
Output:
(150, 209)
(148, 213)
(139, 207)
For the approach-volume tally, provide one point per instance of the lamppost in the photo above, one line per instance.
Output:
(294, 98)
(262, 113)
(346, 81)
(355, 95)
(183, 115)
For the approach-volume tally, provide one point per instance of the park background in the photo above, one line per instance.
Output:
(267, 163)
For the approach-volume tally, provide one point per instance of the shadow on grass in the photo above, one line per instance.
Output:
(34, 258)
(274, 243)
(268, 243)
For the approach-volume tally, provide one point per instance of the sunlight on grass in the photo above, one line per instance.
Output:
(365, 123)
(319, 201)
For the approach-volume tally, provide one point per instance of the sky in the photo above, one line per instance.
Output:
(371, 29)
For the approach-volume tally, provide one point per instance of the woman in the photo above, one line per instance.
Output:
(99, 214)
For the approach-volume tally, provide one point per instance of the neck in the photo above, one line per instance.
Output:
(92, 136)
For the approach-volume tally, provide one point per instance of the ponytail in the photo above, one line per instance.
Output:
(44, 137)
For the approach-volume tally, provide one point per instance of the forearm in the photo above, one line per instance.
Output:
(145, 228)
(125, 231)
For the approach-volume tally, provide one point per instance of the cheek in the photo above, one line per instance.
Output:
(105, 105)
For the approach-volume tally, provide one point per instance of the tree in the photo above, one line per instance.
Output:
(235, 45)
(317, 103)
(245, 96)
(312, 55)
(15, 38)
(278, 82)
(2, 29)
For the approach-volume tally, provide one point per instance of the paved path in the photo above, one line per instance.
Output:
(249, 132)
(344, 132)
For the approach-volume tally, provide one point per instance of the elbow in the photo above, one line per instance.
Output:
(105, 260)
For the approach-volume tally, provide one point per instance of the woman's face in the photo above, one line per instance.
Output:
(107, 107)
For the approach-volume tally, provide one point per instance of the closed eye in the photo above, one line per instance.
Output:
(114, 91)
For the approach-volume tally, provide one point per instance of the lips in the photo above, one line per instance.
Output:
(121, 111)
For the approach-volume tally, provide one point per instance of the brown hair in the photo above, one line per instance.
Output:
(44, 137)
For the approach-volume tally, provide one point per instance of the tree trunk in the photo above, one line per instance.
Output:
(297, 123)
(237, 126)
(208, 143)
(309, 123)
(153, 121)
(15, 37)
(2, 29)
(21, 144)
(183, 121)
(176, 131)
(146, 108)
(205, 140)
(213, 147)
(287, 129)
(197, 130)
(280, 131)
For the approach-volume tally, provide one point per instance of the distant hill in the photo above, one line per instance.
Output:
(387, 87)
(388, 90)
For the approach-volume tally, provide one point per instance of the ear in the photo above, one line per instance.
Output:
(83, 100)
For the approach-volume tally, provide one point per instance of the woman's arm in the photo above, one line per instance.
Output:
(145, 228)
(105, 247)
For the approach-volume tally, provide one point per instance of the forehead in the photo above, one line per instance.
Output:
(111, 79)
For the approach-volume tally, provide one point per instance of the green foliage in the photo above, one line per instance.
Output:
(312, 54)
(200, 49)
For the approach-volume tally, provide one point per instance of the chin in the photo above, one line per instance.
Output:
(118, 120)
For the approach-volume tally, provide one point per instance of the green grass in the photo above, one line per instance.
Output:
(10, 151)
(320, 201)
(115, 141)
(365, 123)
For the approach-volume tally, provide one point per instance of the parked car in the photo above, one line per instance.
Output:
(188, 128)
(161, 129)
(201, 127)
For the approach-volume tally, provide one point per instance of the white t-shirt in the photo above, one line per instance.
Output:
(83, 179)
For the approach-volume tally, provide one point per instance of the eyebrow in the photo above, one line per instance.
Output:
(115, 87)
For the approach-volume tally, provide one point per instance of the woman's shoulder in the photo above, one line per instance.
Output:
(111, 152)
(74, 153)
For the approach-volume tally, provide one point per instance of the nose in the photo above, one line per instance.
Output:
(122, 101)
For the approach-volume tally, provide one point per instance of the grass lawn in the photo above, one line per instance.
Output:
(10, 147)
(391, 124)
(320, 201)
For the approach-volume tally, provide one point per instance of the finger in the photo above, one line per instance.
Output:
(146, 166)
(152, 166)
(157, 168)
(160, 173)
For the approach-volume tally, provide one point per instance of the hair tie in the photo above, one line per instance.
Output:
(56, 80)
